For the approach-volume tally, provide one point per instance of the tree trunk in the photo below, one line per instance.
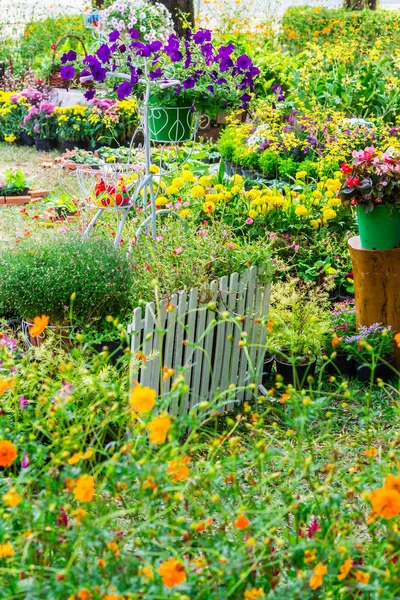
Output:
(360, 4)
(178, 7)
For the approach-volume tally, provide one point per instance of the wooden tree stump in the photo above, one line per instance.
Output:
(377, 286)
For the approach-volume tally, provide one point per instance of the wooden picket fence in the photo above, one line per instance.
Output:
(193, 330)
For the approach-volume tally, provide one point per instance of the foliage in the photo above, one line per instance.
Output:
(45, 275)
(14, 182)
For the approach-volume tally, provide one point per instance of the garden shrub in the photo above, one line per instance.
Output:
(287, 168)
(40, 275)
(269, 162)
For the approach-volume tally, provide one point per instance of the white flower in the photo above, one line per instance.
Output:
(142, 28)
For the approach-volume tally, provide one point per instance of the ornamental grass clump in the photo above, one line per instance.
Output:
(42, 274)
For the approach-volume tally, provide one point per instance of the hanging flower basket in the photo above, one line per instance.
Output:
(170, 125)
(380, 228)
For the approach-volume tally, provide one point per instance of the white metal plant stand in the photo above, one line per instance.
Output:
(122, 187)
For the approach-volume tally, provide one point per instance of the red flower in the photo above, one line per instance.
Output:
(352, 181)
(345, 168)
(53, 46)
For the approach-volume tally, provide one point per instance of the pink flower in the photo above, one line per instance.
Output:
(22, 402)
(249, 221)
(178, 250)
(25, 461)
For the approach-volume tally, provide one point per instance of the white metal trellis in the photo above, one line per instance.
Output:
(147, 185)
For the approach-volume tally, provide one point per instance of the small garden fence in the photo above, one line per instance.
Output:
(216, 337)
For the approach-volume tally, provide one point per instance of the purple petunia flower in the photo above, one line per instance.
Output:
(114, 36)
(124, 89)
(243, 62)
(134, 34)
(189, 83)
(89, 94)
(67, 72)
(201, 36)
(68, 57)
(103, 53)
(156, 74)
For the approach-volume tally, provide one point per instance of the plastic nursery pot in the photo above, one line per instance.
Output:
(26, 139)
(44, 144)
(343, 364)
(236, 170)
(267, 368)
(382, 371)
(295, 374)
(170, 124)
(228, 167)
(379, 229)
(71, 145)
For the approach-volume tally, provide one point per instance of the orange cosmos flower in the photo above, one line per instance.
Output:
(84, 488)
(345, 569)
(362, 577)
(392, 483)
(39, 325)
(385, 502)
(317, 579)
(12, 498)
(178, 470)
(172, 572)
(6, 384)
(336, 340)
(8, 453)
(253, 594)
(6, 550)
(142, 398)
(371, 452)
(159, 428)
(84, 594)
(241, 522)
(397, 339)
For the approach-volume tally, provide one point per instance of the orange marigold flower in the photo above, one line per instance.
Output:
(241, 522)
(159, 428)
(317, 579)
(84, 488)
(392, 483)
(39, 325)
(385, 502)
(6, 550)
(362, 577)
(172, 572)
(371, 452)
(253, 594)
(6, 384)
(345, 568)
(84, 594)
(178, 469)
(12, 498)
(142, 398)
(8, 453)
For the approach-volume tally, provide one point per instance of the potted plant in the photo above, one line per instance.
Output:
(41, 124)
(72, 126)
(64, 205)
(184, 76)
(22, 102)
(297, 326)
(373, 186)
(342, 324)
(372, 349)
(15, 188)
(105, 337)
(71, 280)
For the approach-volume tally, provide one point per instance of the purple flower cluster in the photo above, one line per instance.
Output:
(366, 332)
(195, 57)
(6, 342)
(34, 97)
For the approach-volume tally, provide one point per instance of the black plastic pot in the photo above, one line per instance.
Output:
(295, 374)
(267, 368)
(44, 144)
(71, 145)
(236, 170)
(116, 350)
(249, 174)
(228, 167)
(343, 364)
(382, 371)
(26, 139)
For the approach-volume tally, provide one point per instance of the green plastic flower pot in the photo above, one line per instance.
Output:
(379, 229)
(170, 125)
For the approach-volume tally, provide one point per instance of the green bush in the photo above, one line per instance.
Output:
(287, 168)
(40, 275)
(269, 161)
(227, 143)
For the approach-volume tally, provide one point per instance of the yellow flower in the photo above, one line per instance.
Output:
(317, 194)
(6, 550)
(301, 174)
(161, 200)
(208, 207)
(198, 191)
(345, 569)
(178, 182)
(253, 594)
(329, 194)
(205, 181)
(328, 213)
(154, 169)
(172, 190)
(75, 458)
(12, 498)
(253, 214)
(146, 572)
(10, 138)
(236, 190)
(362, 577)
(315, 223)
(84, 488)
(185, 213)
(142, 398)
(301, 210)
(159, 428)
(309, 555)
(317, 579)
(334, 202)
(188, 176)
(237, 179)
